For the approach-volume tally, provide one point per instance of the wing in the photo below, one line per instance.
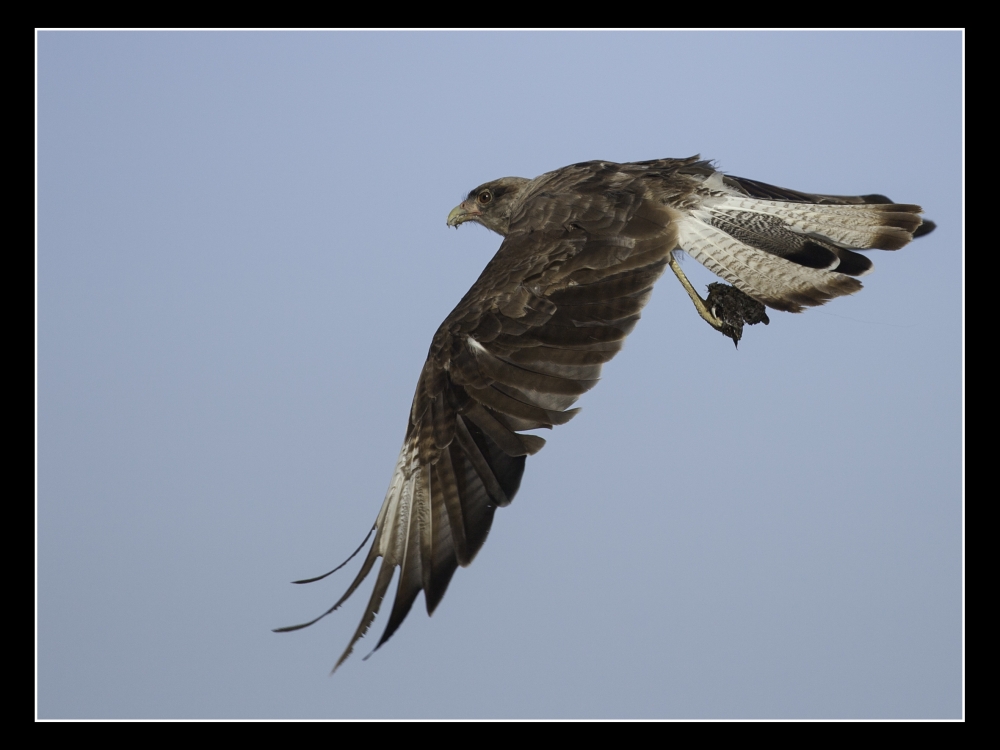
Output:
(585, 246)
(524, 343)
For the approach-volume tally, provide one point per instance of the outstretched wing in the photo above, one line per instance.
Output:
(585, 245)
(530, 336)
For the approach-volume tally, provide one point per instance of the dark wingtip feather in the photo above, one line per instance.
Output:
(320, 578)
(434, 593)
(362, 574)
(290, 628)
(532, 443)
(378, 593)
(400, 609)
(926, 227)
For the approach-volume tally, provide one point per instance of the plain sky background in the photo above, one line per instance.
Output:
(242, 257)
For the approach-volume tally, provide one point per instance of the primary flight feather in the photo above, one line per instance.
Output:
(582, 248)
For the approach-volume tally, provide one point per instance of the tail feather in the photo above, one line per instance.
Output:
(791, 250)
(861, 227)
(768, 278)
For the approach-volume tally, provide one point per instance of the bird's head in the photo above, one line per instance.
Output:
(490, 204)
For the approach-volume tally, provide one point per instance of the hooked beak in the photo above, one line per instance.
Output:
(464, 211)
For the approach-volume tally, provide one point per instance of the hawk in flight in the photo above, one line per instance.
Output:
(582, 247)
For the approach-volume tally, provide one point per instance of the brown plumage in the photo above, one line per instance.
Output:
(582, 248)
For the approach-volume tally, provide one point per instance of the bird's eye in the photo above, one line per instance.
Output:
(484, 197)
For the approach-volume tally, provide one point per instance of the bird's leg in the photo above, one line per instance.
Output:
(726, 309)
(699, 303)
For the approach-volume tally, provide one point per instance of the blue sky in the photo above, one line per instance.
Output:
(242, 256)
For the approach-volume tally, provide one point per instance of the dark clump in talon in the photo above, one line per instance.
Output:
(734, 309)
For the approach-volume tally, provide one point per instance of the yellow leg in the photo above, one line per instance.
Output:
(699, 303)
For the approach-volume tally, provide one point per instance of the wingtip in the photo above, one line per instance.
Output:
(312, 580)
(342, 659)
(290, 628)
(331, 572)
(301, 625)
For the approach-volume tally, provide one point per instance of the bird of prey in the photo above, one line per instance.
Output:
(582, 247)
